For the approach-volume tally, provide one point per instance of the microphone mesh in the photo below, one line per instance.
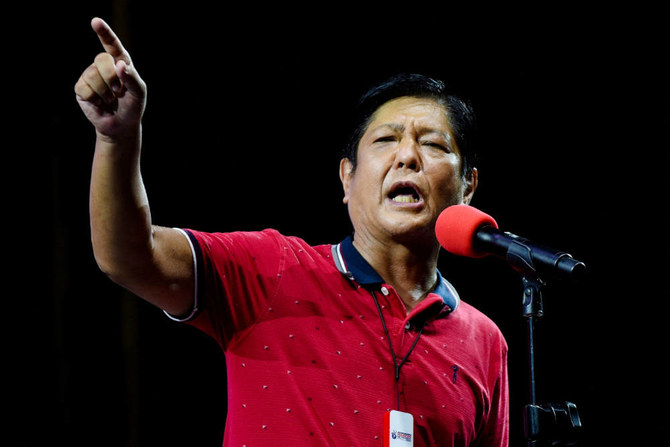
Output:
(456, 226)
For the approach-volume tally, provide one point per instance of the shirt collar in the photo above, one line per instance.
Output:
(352, 265)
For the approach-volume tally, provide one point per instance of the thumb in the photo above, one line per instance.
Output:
(130, 79)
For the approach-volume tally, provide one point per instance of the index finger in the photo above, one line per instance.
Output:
(110, 42)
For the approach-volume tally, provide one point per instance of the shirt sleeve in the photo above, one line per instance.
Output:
(195, 251)
(236, 276)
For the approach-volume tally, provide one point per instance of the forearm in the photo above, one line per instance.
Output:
(153, 262)
(119, 208)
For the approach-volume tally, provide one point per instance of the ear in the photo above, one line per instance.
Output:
(470, 181)
(346, 171)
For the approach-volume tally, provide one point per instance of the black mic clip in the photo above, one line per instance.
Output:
(532, 260)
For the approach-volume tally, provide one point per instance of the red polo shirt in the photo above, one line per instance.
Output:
(308, 359)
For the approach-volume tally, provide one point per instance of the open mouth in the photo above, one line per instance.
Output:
(404, 193)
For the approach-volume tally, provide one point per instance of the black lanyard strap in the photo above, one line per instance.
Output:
(396, 365)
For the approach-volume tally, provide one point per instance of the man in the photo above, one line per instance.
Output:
(320, 342)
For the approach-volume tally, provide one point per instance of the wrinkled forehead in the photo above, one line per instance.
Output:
(423, 114)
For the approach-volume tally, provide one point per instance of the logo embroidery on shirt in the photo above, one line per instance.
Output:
(454, 377)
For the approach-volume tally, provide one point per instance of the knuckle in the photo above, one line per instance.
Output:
(91, 75)
(79, 88)
(83, 90)
(102, 58)
(104, 62)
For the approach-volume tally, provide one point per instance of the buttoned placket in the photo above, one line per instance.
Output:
(398, 337)
(397, 360)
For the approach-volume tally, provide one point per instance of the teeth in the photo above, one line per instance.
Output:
(405, 199)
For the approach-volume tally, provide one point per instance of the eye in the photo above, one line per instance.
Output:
(436, 145)
(385, 139)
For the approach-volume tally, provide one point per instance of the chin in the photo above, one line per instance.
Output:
(413, 231)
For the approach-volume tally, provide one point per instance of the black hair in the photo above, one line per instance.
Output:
(459, 110)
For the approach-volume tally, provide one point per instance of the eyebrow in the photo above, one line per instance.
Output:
(394, 126)
(422, 130)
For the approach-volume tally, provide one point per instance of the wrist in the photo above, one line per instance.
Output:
(131, 137)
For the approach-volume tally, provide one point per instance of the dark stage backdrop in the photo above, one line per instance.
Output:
(247, 112)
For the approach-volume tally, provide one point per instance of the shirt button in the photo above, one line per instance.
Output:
(385, 291)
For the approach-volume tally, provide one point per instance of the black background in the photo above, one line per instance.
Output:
(246, 116)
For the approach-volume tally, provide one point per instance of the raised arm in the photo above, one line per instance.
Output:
(153, 262)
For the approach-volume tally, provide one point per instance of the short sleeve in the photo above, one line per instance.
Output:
(236, 276)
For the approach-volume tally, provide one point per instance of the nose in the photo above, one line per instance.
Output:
(408, 155)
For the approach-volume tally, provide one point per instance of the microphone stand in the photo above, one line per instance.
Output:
(545, 424)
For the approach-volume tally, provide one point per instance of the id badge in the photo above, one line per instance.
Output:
(398, 429)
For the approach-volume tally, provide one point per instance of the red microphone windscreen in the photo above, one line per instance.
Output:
(456, 226)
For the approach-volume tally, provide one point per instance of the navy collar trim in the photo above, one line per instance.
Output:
(351, 264)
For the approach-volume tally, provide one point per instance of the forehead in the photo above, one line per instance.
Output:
(409, 108)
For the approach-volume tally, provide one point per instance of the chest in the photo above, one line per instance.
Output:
(329, 349)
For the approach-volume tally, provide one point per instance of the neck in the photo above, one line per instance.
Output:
(410, 269)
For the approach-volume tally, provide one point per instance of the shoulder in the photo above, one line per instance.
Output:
(264, 243)
(480, 325)
(233, 239)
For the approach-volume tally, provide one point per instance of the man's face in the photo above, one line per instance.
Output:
(408, 171)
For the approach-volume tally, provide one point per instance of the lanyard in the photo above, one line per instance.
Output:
(393, 356)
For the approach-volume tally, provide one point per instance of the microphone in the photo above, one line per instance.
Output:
(466, 231)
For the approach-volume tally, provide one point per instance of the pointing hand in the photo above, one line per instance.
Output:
(110, 91)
